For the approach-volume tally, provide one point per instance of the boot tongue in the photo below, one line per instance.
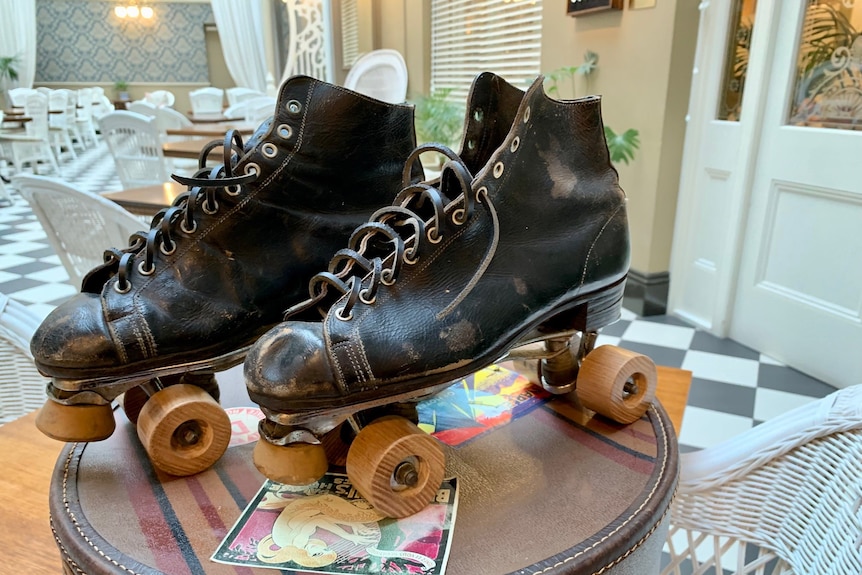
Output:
(258, 135)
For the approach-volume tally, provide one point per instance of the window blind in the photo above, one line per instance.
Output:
(473, 36)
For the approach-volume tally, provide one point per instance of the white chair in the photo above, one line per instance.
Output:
(381, 74)
(18, 96)
(170, 119)
(142, 107)
(238, 94)
(86, 125)
(136, 146)
(259, 109)
(80, 225)
(33, 145)
(5, 198)
(22, 388)
(60, 122)
(207, 100)
(790, 487)
(102, 106)
(161, 98)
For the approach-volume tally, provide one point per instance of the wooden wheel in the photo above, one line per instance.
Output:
(395, 466)
(293, 464)
(617, 383)
(335, 446)
(81, 422)
(183, 429)
(132, 401)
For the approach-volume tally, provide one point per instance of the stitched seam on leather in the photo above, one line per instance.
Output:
(75, 521)
(67, 558)
(593, 245)
(118, 342)
(628, 519)
(357, 370)
(248, 197)
(136, 332)
(330, 349)
(364, 357)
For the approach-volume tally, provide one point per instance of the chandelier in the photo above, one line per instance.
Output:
(133, 11)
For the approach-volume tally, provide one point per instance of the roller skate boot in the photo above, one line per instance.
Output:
(188, 297)
(532, 248)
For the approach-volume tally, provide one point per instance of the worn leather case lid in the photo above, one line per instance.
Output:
(554, 491)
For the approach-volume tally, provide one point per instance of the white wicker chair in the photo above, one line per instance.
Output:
(239, 94)
(136, 146)
(80, 225)
(381, 74)
(33, 146)
(207, 100)
(786, 493)
(22, 389)
(161, 98)
(142, 107)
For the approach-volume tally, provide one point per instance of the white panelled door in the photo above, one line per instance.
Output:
(799, 287)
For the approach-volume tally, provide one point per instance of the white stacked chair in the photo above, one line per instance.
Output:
(160, 98)
(207, 100)
(32, 146)
(790, 487)
(86, 125)
(79, 225)
(142, 107)
(60, 122)
(18, 96)
(381, 74)
(238, 94)
(22, 388)
(135, 144)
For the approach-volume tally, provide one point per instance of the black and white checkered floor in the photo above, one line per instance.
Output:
(734, 387)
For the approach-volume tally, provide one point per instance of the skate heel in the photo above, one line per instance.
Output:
(592, 311)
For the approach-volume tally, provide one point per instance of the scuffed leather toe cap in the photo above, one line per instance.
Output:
(288, 369)
(74, 340)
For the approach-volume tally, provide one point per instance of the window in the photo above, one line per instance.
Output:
(470, 36)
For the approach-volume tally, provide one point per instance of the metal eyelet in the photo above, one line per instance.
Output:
(144, 271)
(294, 107)
(457, 215)
(167, 251)
(348, 317)
(269, 150)
(366, 301)
(408, 261)
(433, 240)
(471, 144)
(478, 114)
(187, 231)
(515, 144)
(483, 191)
(120, 290)
(251, 167)
(206, 208)
(387, 273)
(233, 190)
(527, 115)
(498, 169)
(285, 131)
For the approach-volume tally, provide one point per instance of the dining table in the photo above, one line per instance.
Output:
(189, 149)
(213, 130)
(147, 200)
(209, 118)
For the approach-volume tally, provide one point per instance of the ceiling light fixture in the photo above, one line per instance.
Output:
(133, 11)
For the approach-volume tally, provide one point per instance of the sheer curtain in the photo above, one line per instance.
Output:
(18, 37)
(240, 28)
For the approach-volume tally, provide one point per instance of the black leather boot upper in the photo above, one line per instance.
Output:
(447, 281)
(220, 267)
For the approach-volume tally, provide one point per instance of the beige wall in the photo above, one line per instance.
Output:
(644, 73)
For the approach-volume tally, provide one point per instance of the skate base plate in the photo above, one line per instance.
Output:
(553, 491)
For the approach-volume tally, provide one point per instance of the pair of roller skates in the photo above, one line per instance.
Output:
(522, 239)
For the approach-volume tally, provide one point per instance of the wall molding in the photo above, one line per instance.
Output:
(646, 294)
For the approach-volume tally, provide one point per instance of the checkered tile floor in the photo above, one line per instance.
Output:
(734, 387)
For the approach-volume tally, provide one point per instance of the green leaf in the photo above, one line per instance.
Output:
(622, 146)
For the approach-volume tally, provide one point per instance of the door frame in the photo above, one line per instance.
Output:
(713, 311)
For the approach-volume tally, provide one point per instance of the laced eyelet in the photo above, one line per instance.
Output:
(144, 271)
(478, 114)
(527, 115)
(294, 107)
(251, 167)
(457, 215)
(120, 290)
(436, 239)
(285, 131)
(386, 278)
(366, 301)
(166, 251)
(408, 261)
(233, 190)
(206, 208)
(187, 231)
(348, 317)
(483, 191)
(269, 150)
(471, 144)
(498, 169)
(515, 144)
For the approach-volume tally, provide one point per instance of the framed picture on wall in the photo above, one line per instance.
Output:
(581, 7)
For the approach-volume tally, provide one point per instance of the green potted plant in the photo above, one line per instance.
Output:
(121, 89)
(622, 146)
(439, 119)
(8, 75)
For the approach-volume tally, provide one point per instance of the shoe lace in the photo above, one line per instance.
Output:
(204, 188)
(395, 236)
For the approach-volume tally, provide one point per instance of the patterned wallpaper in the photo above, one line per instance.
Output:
(83, 41)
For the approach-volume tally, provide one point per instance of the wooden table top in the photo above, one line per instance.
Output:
(210, 118)
(147, 200)
(190, 149)
(29, 457)
(213, 130)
